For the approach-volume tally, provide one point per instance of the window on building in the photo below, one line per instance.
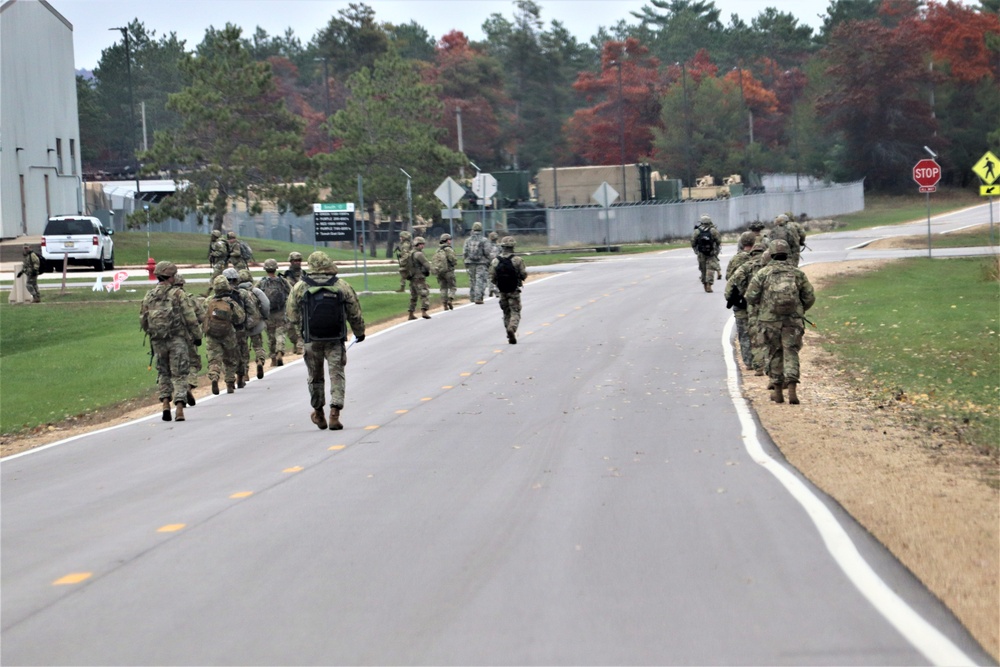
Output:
(72, 156)
(59, 156)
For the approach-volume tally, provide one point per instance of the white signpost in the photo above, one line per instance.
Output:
(605, 195)
(450, 193)
(485, 186)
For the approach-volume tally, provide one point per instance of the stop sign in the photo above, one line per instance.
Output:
(927, 173)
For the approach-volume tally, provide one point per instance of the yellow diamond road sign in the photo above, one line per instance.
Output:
(988, 168)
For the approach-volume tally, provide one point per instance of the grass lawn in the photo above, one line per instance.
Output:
(894, 209)
(924, 332)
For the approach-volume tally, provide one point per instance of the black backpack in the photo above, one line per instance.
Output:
(276, 289)
(704, 243)
(322, 312)
(506, 274)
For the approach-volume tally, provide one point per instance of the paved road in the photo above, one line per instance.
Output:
(597, 494)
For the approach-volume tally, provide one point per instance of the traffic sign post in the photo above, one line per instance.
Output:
(605, 195)
(927, 173)
(450, 192)
(485, 186)
(988, 171)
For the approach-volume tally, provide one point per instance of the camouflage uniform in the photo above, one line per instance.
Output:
(218, 253)
(31, 266)
(782, 333)
(788, 232)
(277, 289)
(403, 250)
(198, 302)
(420, 268)
(476, 260)
(293, 274)
(759, 257)
(223, 351)
(708, 262)
(445, 271)
(171, 345)
(249, 305)
(510, 302)
(236, 257)
(492, 251)
(736, 284)
(264, 307)
(322, 270)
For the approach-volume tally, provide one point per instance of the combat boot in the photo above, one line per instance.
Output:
(240, 382)
(318, 418)
(708, 287)
(424, 314)
(166, 409)
(190, 397)
(793, 396)
(260, 370)
(274, 361)
(411, 317)
(335, 424)
(718, 275)
(281, 359)
(215, 387)
(776, 394)
(179, 411)
(511, 338)
(230, 388)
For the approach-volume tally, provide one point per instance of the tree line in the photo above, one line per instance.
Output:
(268, 118)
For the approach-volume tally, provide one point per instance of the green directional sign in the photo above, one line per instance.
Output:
(334, 222)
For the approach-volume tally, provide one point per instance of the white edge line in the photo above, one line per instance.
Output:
(923, 636)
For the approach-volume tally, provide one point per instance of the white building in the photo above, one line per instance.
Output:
(40, 170)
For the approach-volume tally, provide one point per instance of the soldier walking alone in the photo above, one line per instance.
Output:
(508, 273)
(706, 242)
(31, 266)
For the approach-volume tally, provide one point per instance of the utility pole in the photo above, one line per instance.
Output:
(326, 90)
(461, 149)
(131, 108)
(621, 128)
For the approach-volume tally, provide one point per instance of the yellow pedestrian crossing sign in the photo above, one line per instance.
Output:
(988, 168)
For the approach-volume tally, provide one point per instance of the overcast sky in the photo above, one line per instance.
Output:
(91, 19)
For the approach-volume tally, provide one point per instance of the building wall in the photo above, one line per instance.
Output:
(40, 168)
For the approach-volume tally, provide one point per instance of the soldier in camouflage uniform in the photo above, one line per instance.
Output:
(783, 294)
(323, 271)
(420, 268)
(170, 321)
(510, 302)
(218, 253)
(707, 253)
(221, 346)
(444, 264)
(236, 257)
(474, 256)
(403, 250)
(293, 274)
(736, 283)
(198, 302)
(788, 232)
(264, 307)
(249, 305)
(492, 251)
(31, 266)
(277, 289)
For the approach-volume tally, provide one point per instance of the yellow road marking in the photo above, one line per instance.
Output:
(171, 528)
(293, 469)
(242, 494)
(372, 427)
(337, 448)
(426, 398)
(465, 375)
(447, 386)
(401, 412)
(480, 363)
(74, 578)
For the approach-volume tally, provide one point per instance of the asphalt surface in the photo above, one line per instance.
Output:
(598, 493)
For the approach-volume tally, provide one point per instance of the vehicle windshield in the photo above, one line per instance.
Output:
(69, 226)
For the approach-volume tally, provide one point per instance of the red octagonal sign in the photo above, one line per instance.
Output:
(927, 173)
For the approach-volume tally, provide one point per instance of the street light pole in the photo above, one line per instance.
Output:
(621, 128)
(326, 90)
(461, 149)
(409, 198)
(131, 107)
(687, 125)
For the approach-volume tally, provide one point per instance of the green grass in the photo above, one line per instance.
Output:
(924, 332)
(891, 210)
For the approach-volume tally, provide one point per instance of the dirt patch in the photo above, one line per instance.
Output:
(932, 501)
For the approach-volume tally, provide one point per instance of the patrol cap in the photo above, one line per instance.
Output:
(508, 242)
(295, 257)
(419, 241)
(779, 247)
(444, 238)
(165, 269)
(231, 274)
(245, 276)
(220, 285)
(270, 265)
(320, 262)
(477, 226)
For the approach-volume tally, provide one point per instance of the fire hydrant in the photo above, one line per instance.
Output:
(151, 266)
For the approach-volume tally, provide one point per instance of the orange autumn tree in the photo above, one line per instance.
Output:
(957, 35)
(595, 132)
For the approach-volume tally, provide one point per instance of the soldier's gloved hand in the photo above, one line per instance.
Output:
(358, 339)
(19, 274)
(197, 342)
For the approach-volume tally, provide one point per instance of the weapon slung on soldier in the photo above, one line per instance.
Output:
(808, 321)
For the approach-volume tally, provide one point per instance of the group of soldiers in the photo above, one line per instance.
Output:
(226, 252)
(482, 256)
(769, 296)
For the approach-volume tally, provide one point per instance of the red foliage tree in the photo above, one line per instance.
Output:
(315, 137)
(595, 132)
(957, 36)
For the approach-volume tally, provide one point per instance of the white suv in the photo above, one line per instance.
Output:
(80, 238)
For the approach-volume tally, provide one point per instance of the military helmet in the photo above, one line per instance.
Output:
(747, 238)
(405, 235)
(270, 265)
(444, 238)
(165, 269)
(494, 236)
(781, 219)
(419, 241)
(320, 262)
(231, 274)
(756, 226)
(179, 279)
(778, 247)
(230, 235)
(295, 257)
(705, 218)
(758, 248)
(245, 276)
(508, 242)
(220, 285)
(216, 233)
(477, 226)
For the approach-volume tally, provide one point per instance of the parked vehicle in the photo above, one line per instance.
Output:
(81, 239)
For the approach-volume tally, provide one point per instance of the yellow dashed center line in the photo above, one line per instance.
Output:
(426, 398)
(465, 375)
(242, 494)
(336, 448)
(293, 469)
(401, 412)
(447, 386)
(372, 427)
(73, 578)
(171, 528)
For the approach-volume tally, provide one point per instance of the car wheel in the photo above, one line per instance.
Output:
(99, 263)
(110, 264)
